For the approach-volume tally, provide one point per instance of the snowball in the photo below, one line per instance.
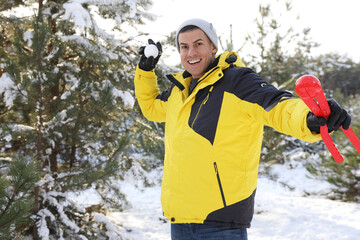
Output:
(151, 51)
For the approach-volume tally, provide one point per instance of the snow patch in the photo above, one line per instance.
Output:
(74, 10)
(28, 35)
(7, 87)
(113, 232)
(294, 176)
(126, 97)
(21, 128)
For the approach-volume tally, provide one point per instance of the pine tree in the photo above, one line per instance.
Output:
(282, 51)
(67, 103)
(17, 180)
(338, 73)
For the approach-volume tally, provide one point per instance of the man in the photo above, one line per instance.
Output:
(214, 113)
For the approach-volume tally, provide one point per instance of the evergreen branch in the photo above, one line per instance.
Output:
(5, 111)
(73, 137)
(132, 38)
(11, 219)
(22, 94)
(12, 198)
(87, 171)
(3, 167)
(6, 5)
(110, 159)
(40, 108)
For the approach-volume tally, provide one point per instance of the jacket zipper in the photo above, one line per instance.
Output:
(219, 182)
(202, 104)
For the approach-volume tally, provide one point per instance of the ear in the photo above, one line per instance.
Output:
(213, 48)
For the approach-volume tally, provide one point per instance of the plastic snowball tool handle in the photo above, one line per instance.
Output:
(310, 91)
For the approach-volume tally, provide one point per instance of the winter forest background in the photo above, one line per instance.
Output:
(70, 124)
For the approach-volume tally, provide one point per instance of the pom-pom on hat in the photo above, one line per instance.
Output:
(207, 27)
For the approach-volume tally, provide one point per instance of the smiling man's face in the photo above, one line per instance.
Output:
(197, 52)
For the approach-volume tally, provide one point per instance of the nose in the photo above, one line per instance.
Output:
(192, 51)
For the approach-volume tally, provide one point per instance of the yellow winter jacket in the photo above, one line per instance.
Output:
(213, 138)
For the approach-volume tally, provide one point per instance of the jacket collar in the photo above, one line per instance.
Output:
(223, 61)
(186, 74)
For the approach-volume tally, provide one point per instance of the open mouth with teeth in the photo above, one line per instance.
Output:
(195, 61)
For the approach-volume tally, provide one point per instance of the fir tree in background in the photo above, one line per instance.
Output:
(283, 52)
(67, 105)
(340, 74)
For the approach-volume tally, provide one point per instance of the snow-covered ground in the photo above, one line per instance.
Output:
(144, 220)
(279, 212)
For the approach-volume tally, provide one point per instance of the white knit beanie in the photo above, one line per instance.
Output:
(207, 27)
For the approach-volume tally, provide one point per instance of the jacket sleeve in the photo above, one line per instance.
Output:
(289, 116)
(152, 105)
(272, 107)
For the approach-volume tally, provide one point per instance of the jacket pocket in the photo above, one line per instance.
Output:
(219, 183)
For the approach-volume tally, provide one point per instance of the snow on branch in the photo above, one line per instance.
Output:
(125, 96)
(43, 230)
(91, 47)
(74, 10)
(7, 87)
(51, 199)
(113, 232)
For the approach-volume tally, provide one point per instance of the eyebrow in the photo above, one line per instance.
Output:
(198, 40)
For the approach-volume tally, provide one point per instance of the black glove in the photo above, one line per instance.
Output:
(148, 64)
(337, 118)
